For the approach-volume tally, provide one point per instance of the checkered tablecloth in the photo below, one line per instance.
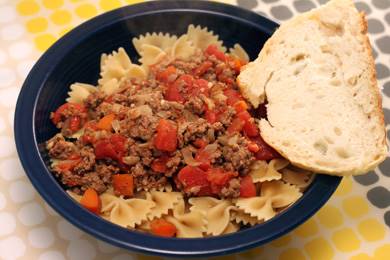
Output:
(354, 224)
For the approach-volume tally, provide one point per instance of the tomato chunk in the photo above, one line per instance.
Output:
(212, 49)
(172, 93)
(247, 187)
(112, 148)
(91, 201)
(203, 157)
(265, 151)
(123, 184)
(59, 113)
(75, 123)
(210, 115)
(250, 129)
(219, 177)
(236, 126)
(199, 71)
(193, 177)
(233, 96)
(166, 137)
(163, 228)
(160, 164)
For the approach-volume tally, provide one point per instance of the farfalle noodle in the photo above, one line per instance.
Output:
(164, 201)
(216, 212)
(274, 194)
(159, 40)
(239, 53)
(79, 92)
(125, 212)
(188, 225)
(182, 49)
(262, 171)
(298, 177)
(202, 37)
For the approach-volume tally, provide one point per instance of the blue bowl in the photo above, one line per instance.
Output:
(76, 56)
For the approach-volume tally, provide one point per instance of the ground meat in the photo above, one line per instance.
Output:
(144, 151)
(173, 164)
(237, 156)
(227, 116)
(142, 127)
(148, 182)
(94, 100)
(191, 131)
(87, 162)
(104, 109)
(232, 190)
(60, 149)
(195, 105)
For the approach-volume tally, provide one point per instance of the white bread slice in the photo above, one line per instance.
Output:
(324, 107)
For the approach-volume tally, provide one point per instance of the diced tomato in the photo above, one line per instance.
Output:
(233, 96)
(74, 123)
(236, 126)
(247, 187)
(123, 184)
(163, 228)
(118, 141)
(240, 106)
(212, 49)
(203, 157)
(200, 143)
(166, 137)
(58, 113)
(199, 71)
(218, 176)
(172, 93)
(265, 152)
(198, 86)
(250, 129)
(104, 149)
(244, 116)
(186, 79)
(210, 115)
(87, 139)
(112, 148)
(91, 125)
(191, 177)
(167, 75)
(160, 164)
(67, 166)
(226, 79)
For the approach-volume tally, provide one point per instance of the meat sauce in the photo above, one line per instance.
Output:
(187, 125)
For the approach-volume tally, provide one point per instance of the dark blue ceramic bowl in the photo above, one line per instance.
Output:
(76, 57)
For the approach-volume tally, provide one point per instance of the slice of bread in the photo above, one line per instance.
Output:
(324, 108)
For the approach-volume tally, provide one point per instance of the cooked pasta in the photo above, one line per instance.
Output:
(237, 198)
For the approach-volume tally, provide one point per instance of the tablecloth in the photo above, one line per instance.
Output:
(354, 224)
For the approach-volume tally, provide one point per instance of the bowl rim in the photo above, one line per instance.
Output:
(28, 150)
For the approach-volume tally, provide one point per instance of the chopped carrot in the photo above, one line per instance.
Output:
(253, 147)
(123, 184)
(161, 227)
(240, 106)
(167, 74)
(91, 201)
(105, 122)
